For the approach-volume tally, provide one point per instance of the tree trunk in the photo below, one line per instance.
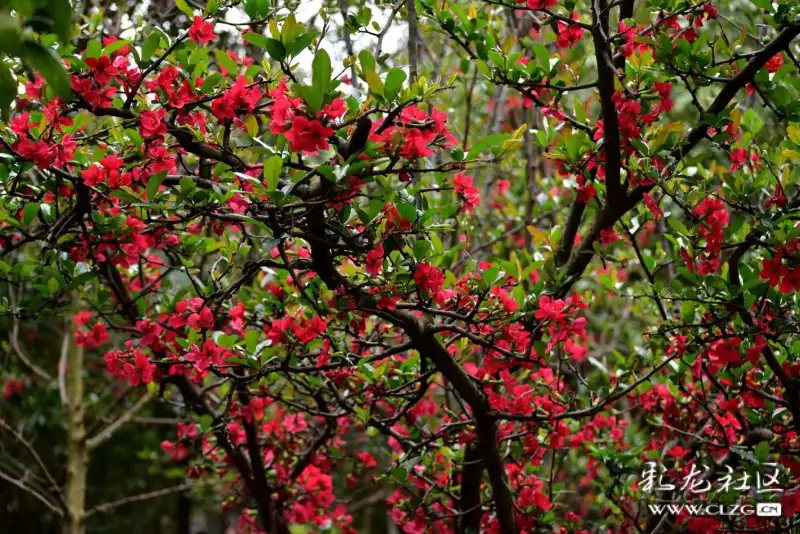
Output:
(77, 453)
(184, 514)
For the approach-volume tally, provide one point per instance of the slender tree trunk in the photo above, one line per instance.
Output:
(413, 42)
(77, 453)
(184, 514)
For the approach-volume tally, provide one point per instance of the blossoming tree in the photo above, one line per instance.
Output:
(494, 273)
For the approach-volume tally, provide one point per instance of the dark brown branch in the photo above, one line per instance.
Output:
(613, 211)
(570, 231)
(423, 338)
(790, 385)
(471, 478)
(606, 76)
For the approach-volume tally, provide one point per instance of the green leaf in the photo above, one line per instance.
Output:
(677, 225)
(762, 451)
(210, 82)
(49, 65)
(542, 55)
(394, 83)
(687, 311)
(485, 144)
(183, 6)
(150, 45)
(421, 249)
(275, 49)
(52, 286)
(81, 279)
(226, 62)
(93, 49)
(116, 45)
(249, 220)
(764, 4)
(125, 195)
(321, 74)
(251, 340)
(272, 172)
(61, 13)
(8, 90)
(290, 30)
(29, 212)
(256, 39)
(374, 81)
(206, 422)
(301, 42)
(10, 35)
(153, 184)
(367, 60)
(251, 8)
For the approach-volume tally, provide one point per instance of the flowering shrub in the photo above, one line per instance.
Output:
(495, 294)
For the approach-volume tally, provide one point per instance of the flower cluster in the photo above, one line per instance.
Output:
(563, 327)
(714, 218)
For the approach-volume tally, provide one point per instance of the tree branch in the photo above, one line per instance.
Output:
(115, 425)
(140, 497)
(606, 75)
(21, 485)
(613, 211)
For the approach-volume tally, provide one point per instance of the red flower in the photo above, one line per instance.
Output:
(141, 371)
(203, 358)
(102, 69)
(608, 236)
(20, 124)
(577, 352)
(773, 270)
(112, 162)
(203, 319)
(738, 159)
(39, 152)
(677, 452)
(34, 88)
(151, 123)
(14, 386)
(568, 35)
(395, 221)
(82, 317)
(308, 135)
(415, 145)
(375, 261)
(310, 330)
(93, 338)
(725, 351)
(585, 192)
(238, 96)
(335, 109)
(429, 278)
(202, 32)
(277, 328)
(182, 96)
(711, 11)
(93, 176)
(388, 303)
(652, 205)
(470, 194)
(775, 63)
(551, 309)
(539, 4)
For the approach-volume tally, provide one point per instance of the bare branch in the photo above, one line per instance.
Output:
(115, 425)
